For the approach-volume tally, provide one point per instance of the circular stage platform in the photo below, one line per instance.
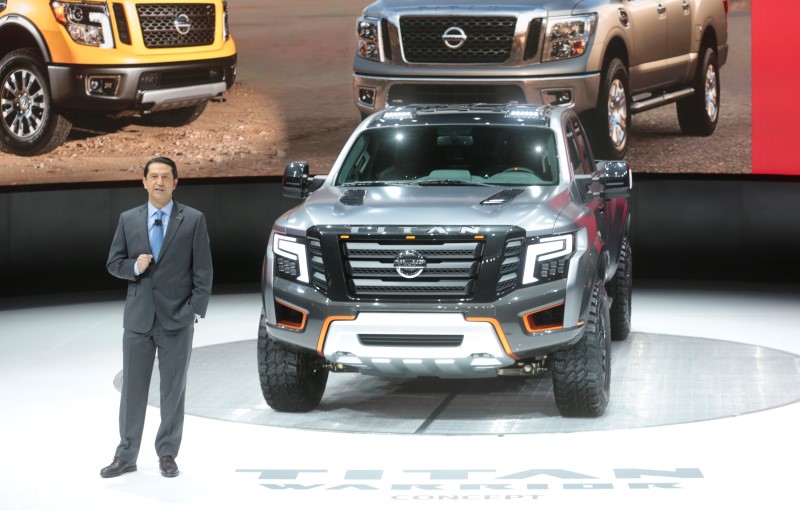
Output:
(656, 380)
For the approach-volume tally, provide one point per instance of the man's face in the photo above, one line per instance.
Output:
(159, 184)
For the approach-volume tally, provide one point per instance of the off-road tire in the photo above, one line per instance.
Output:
(698, 114)
(609, 124)
(582, 372)
(619, 290)
(292, 379)
(177, 117)
(29, 122)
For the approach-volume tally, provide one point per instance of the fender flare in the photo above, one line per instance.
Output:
(15, 20)
(617, 40)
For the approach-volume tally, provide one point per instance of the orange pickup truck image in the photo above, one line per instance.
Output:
(161, 59)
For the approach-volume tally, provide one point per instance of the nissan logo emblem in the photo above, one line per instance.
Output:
(409, 263)
(454, 38)
(182, 24)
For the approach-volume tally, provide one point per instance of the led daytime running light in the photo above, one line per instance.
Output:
(546, 249)
(289, 248)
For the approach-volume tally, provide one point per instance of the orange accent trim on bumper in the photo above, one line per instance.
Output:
(293, 325)
(325, 325)
(529, 323)
(499, 330)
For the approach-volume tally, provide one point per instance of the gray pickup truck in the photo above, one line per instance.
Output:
(456, 242)
(608, 59)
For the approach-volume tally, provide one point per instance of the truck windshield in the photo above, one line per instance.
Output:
(494, 155)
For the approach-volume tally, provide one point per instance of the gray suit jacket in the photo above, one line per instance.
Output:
(176, 287)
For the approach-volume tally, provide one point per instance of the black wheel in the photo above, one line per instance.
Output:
(619, 289)
(292, 379)
(698, 114)
(609, 123)
(177, 117)
(29, 124)
(582, 372)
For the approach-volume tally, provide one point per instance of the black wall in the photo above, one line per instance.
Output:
(735, 228)
(57, 240)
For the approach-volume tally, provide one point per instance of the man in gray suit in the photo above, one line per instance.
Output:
(162, 249)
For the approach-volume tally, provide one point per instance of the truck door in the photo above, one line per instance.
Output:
(583, 164)
(580, 159)
(648, 49)
(679, 40)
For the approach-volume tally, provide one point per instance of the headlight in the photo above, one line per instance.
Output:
(547, 258)
(568, 37)
(87, 24)
(225, 30)
(291, 261)
(368, 34)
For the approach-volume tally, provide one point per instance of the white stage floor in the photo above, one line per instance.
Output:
(58, 419)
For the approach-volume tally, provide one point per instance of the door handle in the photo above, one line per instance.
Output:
(662, 9)
(685, 6)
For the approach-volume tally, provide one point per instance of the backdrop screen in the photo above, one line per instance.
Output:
(293, 100)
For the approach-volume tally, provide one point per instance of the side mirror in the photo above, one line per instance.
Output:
(616, 178)
(295, 180)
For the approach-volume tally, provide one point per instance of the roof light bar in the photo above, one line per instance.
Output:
(398, 115)
(526, 114)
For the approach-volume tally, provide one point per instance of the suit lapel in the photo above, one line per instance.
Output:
(141, 222)
(175, 220)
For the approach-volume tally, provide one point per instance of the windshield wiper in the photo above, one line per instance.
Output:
(373, 183)
(450, 182)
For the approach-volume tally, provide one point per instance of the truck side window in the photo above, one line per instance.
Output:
(353, 166)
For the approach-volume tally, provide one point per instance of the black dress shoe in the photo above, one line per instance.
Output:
(168, 466)
(116, 468)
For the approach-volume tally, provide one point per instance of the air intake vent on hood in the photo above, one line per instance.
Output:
(353, 197)
(503, 197)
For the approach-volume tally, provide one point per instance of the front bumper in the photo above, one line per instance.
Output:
(140, 89)
(447, 345)
(374, 93)
(365, 335)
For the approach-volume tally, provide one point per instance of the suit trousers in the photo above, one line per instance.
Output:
(174, 350)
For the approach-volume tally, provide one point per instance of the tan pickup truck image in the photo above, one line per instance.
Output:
(608, 59)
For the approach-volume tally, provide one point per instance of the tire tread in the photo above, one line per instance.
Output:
(580, 385)
(292, 379)
(619, 289)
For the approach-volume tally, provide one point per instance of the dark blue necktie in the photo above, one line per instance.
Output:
(157, 234)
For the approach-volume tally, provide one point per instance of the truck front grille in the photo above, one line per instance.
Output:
(534, 35)
(177, 25)
(191, 76)
(509, 267)
(317, 265)
(451, 269)
(411, 340)
(488, 39)
(122, 23)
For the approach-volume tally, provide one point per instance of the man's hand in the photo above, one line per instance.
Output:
(143, 262)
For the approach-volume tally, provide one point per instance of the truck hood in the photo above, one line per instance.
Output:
(478, 5)
(536, 209)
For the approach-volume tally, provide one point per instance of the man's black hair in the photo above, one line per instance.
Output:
(164, 160)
